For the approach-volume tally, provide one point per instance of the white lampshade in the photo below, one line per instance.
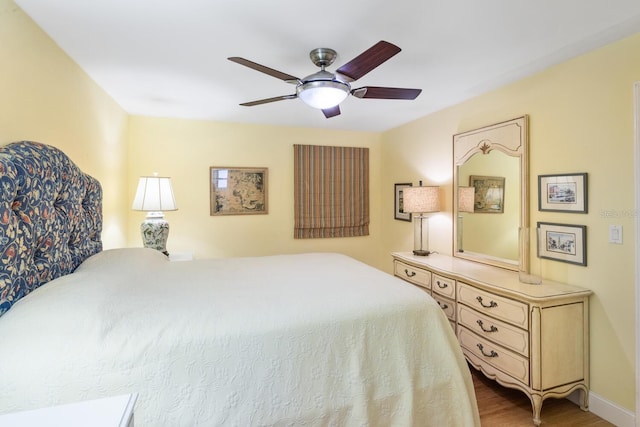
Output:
(154, 193)
(466, 197)
(421, 199)
(323, 94)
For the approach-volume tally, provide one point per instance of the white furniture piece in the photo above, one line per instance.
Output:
(181, 256)
(534, 338)
(114, 411)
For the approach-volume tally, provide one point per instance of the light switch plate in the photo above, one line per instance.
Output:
(615, 234)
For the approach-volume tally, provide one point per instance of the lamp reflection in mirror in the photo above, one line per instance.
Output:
(421, 200)
(466, 196)
(154, 195)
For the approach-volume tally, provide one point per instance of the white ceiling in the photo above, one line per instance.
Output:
(168, 58)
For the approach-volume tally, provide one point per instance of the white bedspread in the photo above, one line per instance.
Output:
(290, 340)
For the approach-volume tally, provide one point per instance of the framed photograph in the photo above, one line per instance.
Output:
(488, 193)
(563, 242)
(563, 193)
(399, 203)
(238, 191)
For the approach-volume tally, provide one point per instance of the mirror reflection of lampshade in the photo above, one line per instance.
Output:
(465, 199)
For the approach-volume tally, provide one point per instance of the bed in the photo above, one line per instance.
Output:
(315, 339)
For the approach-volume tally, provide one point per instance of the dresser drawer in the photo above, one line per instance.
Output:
(412, 274)
(514, 312)
(499, 332)
(447, 305)
(444, 286)
(508, 362)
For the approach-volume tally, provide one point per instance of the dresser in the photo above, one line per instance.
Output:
(534, 338)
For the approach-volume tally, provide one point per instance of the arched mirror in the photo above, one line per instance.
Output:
(490, 203)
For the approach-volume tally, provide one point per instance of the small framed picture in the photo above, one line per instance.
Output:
(238, 191)
(398, 203)
(563, 193)
(489, 193)
(563, 242)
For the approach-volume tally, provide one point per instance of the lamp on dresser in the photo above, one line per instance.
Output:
(421, 200)
(466, 196)
(154, 195)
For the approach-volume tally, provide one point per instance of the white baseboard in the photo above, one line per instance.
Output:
(606, 410)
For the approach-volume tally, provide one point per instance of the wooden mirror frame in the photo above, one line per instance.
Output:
(511, 138)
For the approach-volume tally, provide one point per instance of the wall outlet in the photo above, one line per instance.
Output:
(615, 234)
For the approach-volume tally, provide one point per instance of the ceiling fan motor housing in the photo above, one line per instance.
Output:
(323, 56)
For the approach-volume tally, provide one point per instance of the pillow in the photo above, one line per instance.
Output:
(123, 258)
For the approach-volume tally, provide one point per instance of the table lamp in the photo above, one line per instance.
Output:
(421, 200)
(154, 195)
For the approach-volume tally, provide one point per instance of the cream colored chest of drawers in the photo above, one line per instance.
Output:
(534, 338)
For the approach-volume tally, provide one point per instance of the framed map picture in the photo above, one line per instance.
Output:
(238, 191)
(489, 193)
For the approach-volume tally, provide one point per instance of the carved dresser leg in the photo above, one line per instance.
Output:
(584, 399)
(536, 402)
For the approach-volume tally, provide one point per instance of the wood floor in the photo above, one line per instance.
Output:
(500, 406)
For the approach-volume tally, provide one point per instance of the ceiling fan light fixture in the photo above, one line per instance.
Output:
(323, 94)
(324, 90)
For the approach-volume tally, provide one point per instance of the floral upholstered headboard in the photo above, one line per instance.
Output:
(50, 218)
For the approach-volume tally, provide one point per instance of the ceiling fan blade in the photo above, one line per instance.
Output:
(268, 100)
(270, 71)
(368, 60)
(377, 92)
(331, 112)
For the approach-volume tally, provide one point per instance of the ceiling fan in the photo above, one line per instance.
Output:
(325, 90)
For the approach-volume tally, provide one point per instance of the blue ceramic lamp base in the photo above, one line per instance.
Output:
(155, 231)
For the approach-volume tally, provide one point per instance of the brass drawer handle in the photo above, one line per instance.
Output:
(441, 286)
(492, 304)
(492, 354)
(443, 306)
(491, 329)
(409, 273)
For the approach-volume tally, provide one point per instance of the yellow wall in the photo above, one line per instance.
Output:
(46, 97)
(581, 120)
(185, 149)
